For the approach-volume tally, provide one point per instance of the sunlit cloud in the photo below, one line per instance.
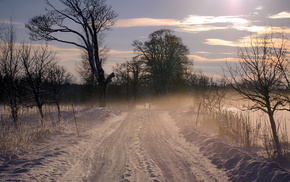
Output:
(201, 20)
(192, 23)
(250, 41)
(118, 52)
(197, 58)
(202, 52)
(252, 28)
(265, 29)
(198, 28)
(220, 42)
(196, 23)
(140, 22)
(281, 15)
(117, 56)
(67, 54)
(210, 67)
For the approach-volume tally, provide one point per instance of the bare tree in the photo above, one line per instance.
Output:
(123, 79)
(283, 54)
(258, 77)
(91, 17)
(37, 64)
(10, 71)
(57, 79)
(132, 75)
(137, 73)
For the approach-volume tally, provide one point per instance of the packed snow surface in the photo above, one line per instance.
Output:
(139, 145)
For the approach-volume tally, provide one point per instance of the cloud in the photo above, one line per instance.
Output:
(202, 52)
(117, 52)
(8, 22)
(61, 54)
(198, 28)
(252, 28)
(196, 23)
(220, 42)
(117, 56)
(252, 40)
(259, 8)
(211, 67)
(265, 29)
(192, 23)
(197, 58)
(281, 15)
(67, 54)
(201, 20)
(141, 22)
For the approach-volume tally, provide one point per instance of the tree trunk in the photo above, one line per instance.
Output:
(58, 112)
(14, 113)
(39, 106)
(275, 135)
(102, 94)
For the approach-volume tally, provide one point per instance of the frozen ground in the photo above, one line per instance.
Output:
(140, 145)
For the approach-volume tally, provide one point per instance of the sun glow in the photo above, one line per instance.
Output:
(235, 6)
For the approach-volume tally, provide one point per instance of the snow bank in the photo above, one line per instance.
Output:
(240, 165)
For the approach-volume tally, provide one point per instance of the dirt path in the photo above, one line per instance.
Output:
(146, 145)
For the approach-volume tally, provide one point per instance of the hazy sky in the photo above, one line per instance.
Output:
(210, 28)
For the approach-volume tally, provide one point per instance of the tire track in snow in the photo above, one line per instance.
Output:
(146, 146)
(178, 159)
(140, 165)
(87, 163)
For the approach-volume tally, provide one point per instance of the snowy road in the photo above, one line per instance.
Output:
(136, 146)
(145, 145)
(142, 145)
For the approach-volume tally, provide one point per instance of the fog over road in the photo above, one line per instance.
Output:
(145, 145)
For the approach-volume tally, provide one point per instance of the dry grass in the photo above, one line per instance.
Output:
(236, 127)
(14, 140)
(244, 127)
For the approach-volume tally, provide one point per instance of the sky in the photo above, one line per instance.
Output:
(211, 29)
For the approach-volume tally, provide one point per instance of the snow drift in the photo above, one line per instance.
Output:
(239, 164)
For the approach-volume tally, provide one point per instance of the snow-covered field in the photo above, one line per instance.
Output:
(137, 145)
